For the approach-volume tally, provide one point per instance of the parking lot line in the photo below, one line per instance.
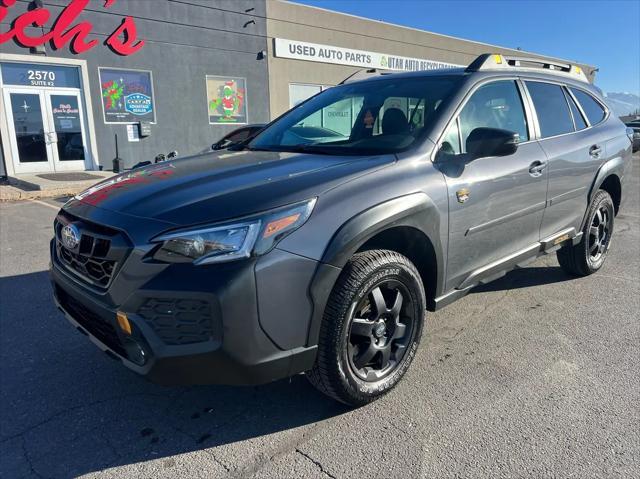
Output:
(45, 204)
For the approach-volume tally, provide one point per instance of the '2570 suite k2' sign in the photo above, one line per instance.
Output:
(64, 30)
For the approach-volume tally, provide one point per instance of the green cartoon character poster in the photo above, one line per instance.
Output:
(226, 99)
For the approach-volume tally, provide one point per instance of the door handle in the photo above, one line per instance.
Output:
(52, 137)
(595, 151)
(536, 168)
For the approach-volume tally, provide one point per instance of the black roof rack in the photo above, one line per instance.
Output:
(496, 61)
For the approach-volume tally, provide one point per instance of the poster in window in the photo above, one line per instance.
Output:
(227, 100)
(127, 95)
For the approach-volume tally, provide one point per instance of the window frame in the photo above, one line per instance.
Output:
(579, 105)
(569, 98)
(529, 113)
(562, 86)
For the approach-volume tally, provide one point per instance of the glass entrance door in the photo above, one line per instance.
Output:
(66, 130)
(46, 130)
(31, 148)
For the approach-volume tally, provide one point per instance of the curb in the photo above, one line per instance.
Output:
(11, 193)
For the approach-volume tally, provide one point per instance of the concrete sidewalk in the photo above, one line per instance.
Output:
(34, 186)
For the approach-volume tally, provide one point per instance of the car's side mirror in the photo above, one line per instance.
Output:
(483, 142)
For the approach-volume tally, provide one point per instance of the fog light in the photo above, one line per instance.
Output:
(138, 355)
(123, 322)
(135, 352)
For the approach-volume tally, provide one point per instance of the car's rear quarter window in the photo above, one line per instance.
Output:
(594, 111)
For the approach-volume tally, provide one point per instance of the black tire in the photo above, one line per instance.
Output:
(341, 370)
(589, 255)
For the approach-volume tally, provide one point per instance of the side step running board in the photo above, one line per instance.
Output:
(502, 266)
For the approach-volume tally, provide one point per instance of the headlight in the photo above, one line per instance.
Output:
(235, 240)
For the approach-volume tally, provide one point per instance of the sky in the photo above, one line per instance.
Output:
(601, 33)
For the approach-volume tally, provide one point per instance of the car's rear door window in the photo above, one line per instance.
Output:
(594, 110)
(551, 107)
(578, 119)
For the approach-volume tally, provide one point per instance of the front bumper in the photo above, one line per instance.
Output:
(218, 324)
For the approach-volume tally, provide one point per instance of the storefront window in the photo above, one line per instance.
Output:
(300, 92)
(338, 117)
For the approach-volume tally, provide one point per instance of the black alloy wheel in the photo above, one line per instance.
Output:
(371, 327)
(381, 327)
(599, 233)
(589, 254)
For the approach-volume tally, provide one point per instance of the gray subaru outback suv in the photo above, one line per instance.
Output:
(318, 246)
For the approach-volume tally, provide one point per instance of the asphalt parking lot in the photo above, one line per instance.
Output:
(534, 375)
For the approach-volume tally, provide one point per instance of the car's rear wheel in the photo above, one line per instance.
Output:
(371, 328)
(589, 255)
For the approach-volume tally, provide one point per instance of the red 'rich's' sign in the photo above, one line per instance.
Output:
(123, 40)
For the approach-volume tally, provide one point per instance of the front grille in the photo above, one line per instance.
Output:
(95, 270)
(97, 326)
(180, 321)
(98, 255)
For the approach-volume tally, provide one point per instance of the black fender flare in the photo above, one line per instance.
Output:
(415, 210)
(614, 166)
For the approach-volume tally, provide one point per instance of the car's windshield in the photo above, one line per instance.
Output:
(382, 116)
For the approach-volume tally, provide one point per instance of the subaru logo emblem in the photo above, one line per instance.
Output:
(70, 236)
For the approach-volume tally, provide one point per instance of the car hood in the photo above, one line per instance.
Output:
(224, 185)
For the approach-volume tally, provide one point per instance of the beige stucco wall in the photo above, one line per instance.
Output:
(314, 25)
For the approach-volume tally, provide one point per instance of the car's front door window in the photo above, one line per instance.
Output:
(494, 105)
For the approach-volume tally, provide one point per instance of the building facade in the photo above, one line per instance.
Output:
(169, 75)
(61, 107)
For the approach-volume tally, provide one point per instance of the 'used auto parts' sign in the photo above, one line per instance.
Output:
(315, 52)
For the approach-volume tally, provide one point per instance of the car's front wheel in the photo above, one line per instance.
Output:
(371, 328)
(589, 255)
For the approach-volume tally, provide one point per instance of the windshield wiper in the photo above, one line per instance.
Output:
(312, 148)
(246, 147)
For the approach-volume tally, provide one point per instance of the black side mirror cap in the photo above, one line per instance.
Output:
(483, 142)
